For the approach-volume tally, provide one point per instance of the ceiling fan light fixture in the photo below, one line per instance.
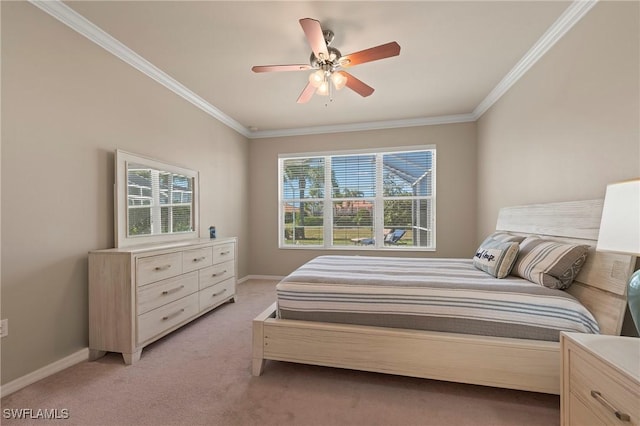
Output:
(316, 78)
(339, 80)
(323, 89)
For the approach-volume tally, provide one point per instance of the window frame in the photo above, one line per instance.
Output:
(378, 199)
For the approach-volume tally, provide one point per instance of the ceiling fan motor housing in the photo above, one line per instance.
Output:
(332, 61)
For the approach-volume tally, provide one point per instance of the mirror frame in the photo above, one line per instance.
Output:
(122, 238)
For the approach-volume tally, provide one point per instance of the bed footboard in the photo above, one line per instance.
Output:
(491, 361)
(258, 339)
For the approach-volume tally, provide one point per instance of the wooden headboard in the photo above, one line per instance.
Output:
(601, 285)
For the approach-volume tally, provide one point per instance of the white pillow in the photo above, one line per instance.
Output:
(496, 257)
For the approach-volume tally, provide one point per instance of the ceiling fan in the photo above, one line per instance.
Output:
(328, 63)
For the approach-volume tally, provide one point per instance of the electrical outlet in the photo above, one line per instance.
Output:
(4, 328)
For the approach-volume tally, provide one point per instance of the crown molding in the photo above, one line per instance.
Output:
(82, 25)
(357, 127)
(56, 8)
(555, 32)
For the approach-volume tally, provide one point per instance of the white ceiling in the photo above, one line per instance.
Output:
(453, 54)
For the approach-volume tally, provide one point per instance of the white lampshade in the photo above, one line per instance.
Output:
(323, 89)
(620, 225)
(339, 80)
(316, 78)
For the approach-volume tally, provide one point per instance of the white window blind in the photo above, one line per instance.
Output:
(371, 200)
(302, 192)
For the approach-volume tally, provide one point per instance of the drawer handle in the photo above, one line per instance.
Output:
(218, 293)
(222, 253)
(162, 268)
(175, 314)
(219, 273)
(199, 259)
(173, 290)
(602, 400)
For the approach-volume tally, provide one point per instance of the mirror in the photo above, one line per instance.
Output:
(155, 201)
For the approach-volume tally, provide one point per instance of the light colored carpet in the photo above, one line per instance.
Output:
(201, 375)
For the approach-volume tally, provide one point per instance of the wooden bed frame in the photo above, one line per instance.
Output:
(492, 361)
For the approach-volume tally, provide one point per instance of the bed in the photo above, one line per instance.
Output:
(464, 354)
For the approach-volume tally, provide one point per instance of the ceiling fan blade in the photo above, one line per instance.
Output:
(356, 85)
(313, 31)
(270, 68)
(372, 54)
(306, 94)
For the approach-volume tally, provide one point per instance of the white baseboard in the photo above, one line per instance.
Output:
(44, 372)
(260, 277)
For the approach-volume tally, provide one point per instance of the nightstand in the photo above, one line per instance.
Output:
(600, 383)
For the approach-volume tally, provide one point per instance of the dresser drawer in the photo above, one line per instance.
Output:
(163, 318)
(215, 274)
(160, 293)
(156, 268)
(197, 259)
(603, 390)
(214, 295)
(223, 252)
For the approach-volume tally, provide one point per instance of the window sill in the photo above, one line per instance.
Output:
(359, 248)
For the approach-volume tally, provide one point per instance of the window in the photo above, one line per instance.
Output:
(382, 199)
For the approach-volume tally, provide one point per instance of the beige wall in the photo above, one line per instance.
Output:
(570, 126)
(564, 131)
(66, 106)
(455, 189)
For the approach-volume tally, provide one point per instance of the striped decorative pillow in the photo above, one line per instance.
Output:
(496, 257)
(549, 263)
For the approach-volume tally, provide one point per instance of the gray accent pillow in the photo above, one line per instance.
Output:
(550, 263)
(496, 257)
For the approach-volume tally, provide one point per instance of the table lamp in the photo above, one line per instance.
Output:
(620, 232)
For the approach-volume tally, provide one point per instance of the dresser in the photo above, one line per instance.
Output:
(600, 380)
(139, 294)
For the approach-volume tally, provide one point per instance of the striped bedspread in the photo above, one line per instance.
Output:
(448, 295)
